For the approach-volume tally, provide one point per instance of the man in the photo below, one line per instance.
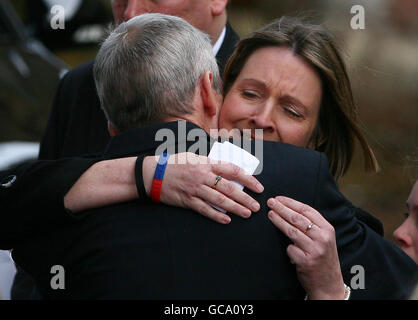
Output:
(77, 124)
(165, 252)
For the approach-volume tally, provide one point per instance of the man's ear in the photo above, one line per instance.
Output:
(218, 7)
(210, 98)
(112, 131)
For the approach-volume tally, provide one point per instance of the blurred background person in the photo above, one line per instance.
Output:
(406, 235)
(77, 124)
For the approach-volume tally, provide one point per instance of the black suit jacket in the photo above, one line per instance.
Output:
(143, 250)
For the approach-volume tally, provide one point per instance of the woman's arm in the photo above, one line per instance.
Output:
(104, 183)
(188, 183)
(314, 248)
(49, 193)
(33, 202)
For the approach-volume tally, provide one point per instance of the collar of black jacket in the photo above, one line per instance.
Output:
(148, 139)
(227, 47)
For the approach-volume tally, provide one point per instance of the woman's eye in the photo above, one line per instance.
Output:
(249, 94)
(292, 112)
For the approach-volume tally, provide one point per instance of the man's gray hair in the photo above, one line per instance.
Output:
(148, 68)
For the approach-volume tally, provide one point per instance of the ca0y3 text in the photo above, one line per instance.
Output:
(227, 309)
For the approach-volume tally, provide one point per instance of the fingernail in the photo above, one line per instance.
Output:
(255, 207)
(270, 214)
(226, 220)
(260, 187)
(247, 214)
(271, 202)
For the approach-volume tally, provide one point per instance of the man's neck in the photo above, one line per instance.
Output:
(153, 137)
(201, 124)
(189, 119)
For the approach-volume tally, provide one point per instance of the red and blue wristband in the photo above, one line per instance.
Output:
(159, 176)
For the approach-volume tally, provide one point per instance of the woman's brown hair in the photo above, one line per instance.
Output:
(337, 126)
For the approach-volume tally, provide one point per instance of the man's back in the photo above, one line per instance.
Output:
(148, 250)
(155, 252)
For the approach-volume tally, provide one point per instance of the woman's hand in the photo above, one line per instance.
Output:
(189, 183)
(314, 249)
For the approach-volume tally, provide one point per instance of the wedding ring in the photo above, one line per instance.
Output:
(218, 178)
(309, 227)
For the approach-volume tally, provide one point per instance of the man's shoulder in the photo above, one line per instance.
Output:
(77, 87)
(292, 149)
(290, 170)
(84, 71)
(293, 155)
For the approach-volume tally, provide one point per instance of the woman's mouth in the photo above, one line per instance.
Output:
(248, 134)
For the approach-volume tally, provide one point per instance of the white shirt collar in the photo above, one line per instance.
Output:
(219, 42)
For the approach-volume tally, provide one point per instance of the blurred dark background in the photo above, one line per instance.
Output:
(382, 60)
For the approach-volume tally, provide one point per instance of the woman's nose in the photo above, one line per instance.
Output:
(264, 120)
(134, 8)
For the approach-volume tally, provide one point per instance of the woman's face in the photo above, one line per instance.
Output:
(276, 91)
(407, 233)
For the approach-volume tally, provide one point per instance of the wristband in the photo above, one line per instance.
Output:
(139, 180)
(158, 177)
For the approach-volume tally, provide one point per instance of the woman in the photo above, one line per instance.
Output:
(288, 79)
(407, 233)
